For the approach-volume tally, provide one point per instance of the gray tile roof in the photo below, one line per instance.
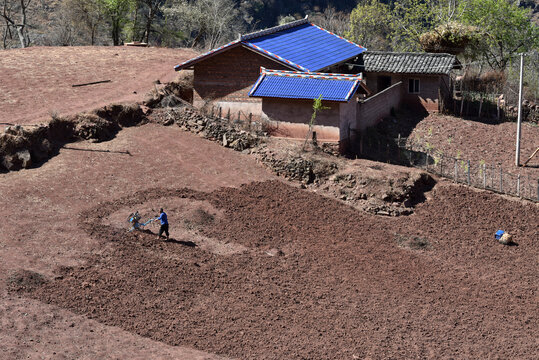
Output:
(408, 63)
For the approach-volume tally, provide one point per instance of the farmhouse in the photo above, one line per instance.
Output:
(226, 75)
(275, 74)
(287, 97)
(424, 77)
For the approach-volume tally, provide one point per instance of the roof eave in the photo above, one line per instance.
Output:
(340, 61)
(297, 98)
(207, 55)
(256, 51)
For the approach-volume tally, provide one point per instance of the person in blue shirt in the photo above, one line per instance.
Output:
(164, 224)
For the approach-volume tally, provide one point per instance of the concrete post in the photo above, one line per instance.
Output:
(519, 120)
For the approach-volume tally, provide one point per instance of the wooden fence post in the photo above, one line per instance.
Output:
(427, 160)
(442, 165)
(484, 176)
(220, 112)
(468, 172)
(228, 114)
(250, 120)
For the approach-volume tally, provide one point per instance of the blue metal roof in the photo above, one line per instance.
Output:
(309, 46)
(303, 85)
(300, 45)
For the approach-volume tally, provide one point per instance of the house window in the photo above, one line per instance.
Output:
(413, 86)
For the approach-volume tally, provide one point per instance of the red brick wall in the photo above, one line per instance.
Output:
(229, 76)
(428, 92)
(300, 111)
(376, 107)
(428, 89)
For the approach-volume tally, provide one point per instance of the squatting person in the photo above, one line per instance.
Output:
(164, 223)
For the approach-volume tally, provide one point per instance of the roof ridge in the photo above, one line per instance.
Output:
(311, 75)
(406, 53)
(274, 29)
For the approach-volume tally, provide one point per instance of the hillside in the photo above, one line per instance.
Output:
(257, 267)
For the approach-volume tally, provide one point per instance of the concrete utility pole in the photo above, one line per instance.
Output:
(519, 119)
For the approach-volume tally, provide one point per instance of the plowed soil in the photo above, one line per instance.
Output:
(257, 268)
(492, 144)
(317, 278)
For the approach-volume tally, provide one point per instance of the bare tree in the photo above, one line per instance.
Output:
(332, 20)
(9, 10)
(206, 22)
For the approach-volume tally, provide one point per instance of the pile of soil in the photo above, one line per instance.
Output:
(342, 285)
(171, 94)
(366, 185)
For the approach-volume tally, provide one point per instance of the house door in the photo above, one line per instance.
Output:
(383, 82)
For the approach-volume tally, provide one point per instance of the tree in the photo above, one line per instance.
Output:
(9, 8)
(505, 30)
(207, 22)
(399, 25)
(152, 9)
(332, 20)
(317, 107)
(116, 11)
(282, 20)
(411, 19)
(87, 16)
(370, 25)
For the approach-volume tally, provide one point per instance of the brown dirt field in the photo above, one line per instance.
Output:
(40, 231)
(36, 81)
(261, 271)
(492, 143)
(257, 269)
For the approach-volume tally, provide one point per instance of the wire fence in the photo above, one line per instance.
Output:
(237, 119)
(478, 174)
